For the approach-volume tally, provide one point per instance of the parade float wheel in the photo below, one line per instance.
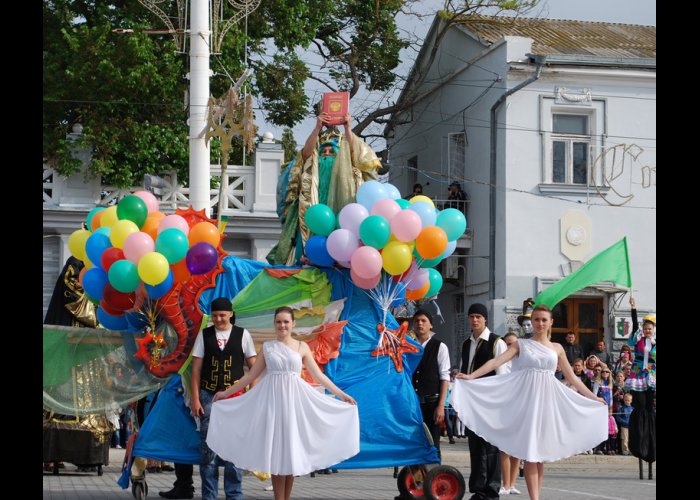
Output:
(444, 482)
(139, 489)
(410, 481)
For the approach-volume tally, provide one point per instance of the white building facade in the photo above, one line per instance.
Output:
(551, 128)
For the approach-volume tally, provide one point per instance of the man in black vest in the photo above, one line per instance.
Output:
(218, 356)
(481, 346)
(432, 375)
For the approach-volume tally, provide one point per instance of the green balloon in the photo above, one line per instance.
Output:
(453, 222)
(320, 219)
(403, 203)
(426, 263)
(134, 209)
(375, 231)
(124, 276)
(173, 244)
(435, 281)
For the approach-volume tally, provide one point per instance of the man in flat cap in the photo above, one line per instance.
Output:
(218, 356)
(481, 346)
(432, 375)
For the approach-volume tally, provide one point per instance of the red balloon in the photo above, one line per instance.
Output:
(109, 310)
(116, 300)
(110, 256)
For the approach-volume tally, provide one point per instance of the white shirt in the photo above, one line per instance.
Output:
(221, 339)
(443, 359)
(498, 348)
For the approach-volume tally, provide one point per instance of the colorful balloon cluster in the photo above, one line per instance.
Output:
(383, 232)
(132, 251)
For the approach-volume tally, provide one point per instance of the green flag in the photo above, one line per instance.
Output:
(612, 264)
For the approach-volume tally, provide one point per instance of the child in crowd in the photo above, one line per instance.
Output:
(610, 444)
(623, 422)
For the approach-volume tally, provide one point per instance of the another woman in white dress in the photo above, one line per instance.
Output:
(283, 425)
(528, 413)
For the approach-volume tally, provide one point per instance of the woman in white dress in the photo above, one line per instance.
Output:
(283, 425)
(528, 413)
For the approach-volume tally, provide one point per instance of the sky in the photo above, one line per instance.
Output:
(616, 11)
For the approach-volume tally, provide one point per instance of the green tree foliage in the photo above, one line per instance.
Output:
(128, 89)
(125, 89)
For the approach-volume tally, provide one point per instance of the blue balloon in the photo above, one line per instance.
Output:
(157, 291)
(95, 245)
(115, 323)
(94, 281)
(136, 321)
(316, 251)
(103, 230)
(425, 211)
(394, 193)
(371, 192)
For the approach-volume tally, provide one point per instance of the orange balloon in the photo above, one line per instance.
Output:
(150, 227)
(204, 231)
(180, 271)
(95, 222)
(431, 242)
(418, 293)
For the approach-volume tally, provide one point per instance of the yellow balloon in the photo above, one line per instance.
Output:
(76, 243)
(396, 257)
(411, 244)
(153, 268)
(88, 263)
(109, 217)
(120, 231)
(420, 197)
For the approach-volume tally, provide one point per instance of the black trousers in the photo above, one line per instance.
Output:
(183, 477)
(485, 477)
(428, 411)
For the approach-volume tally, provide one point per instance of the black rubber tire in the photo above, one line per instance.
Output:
(99, 470)
(444, 482)
(409, 487)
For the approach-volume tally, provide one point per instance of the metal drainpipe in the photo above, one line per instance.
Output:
(492, 197)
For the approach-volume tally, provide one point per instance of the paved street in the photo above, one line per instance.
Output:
(586, 477)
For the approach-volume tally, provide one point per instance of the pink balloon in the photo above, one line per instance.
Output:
(366, 262)
(386, 208)
(415, 277)
(136, 245)
(149, 199)
(175, 221)
(406, 225)
(351, 216)
(364, 282)
(341, 244)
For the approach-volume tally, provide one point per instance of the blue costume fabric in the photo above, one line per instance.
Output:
(391, 424)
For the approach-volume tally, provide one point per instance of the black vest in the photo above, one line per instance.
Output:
(426, 378)
(484, 352)
(221, 368)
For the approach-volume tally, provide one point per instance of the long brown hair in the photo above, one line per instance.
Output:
(545, 308)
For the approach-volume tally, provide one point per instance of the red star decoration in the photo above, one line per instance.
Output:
(143, 353)
(394, 344)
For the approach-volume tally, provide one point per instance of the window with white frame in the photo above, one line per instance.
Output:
(572, 138)
(571, 143)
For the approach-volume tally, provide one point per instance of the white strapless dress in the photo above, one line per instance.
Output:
(283, 425)
(528, 413)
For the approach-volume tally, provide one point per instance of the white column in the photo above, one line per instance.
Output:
(269, 157)
(200, 38)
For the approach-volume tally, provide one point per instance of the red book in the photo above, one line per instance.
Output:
(336, 105)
